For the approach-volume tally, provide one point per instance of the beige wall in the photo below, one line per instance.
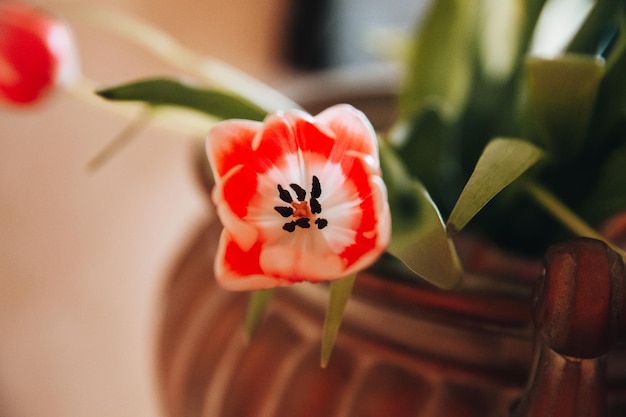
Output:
(83, 255)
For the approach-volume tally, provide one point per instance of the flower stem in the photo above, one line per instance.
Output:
(122, 139)
(173, 52)
(564, 215)
(259, 301)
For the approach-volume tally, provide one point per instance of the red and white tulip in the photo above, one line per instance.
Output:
(301, 198)
(37, 53)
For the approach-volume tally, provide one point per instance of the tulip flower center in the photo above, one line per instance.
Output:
(300, 210)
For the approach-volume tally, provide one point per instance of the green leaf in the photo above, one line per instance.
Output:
(501, 163)
(562, 98)
(428, 150)
(564, 215)
(440, 65)
(340, 291)
(611, 108)
(257, 305)
(122, 139)
(598, 28)
(609, 194)
(424, 246)
(170, 92)
(501, 36)
(419, 237)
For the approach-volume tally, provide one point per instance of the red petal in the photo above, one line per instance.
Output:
(290, 132)
(235, 165)
(240, 262)
(238, 189)
(352, 130)
(230, 144)
(236, 269)
(26, 63)
(366, 238)
(34, 47)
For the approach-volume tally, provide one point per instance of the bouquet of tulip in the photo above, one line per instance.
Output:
(523, 149)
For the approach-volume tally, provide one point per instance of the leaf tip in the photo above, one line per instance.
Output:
(104, 93)
(324, 362)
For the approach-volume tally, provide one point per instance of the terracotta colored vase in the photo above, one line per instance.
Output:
(402, 350)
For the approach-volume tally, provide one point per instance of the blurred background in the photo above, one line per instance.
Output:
(84, 255)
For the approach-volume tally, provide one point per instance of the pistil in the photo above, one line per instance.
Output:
(301, 209)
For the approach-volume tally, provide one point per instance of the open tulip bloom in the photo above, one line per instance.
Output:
(301, 198)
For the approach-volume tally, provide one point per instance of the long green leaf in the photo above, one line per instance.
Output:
(340, 292)
(501, 163)
(501, 36)
(257, 305)
(562, 98)
(170, 92)
(425, 247)
(426, 145)
(608, 197)
(440, 65)
(611, 108)
(598, 28)
(419, 237)
(565, 215)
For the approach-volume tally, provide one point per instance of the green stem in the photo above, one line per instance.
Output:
(565, 216)
(259, 301)
(171, 51)
(121, 140)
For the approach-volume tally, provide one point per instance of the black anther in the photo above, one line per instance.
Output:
(284, 194)
(284, 211)
(321, 223)
(300, 192)
(316, 188)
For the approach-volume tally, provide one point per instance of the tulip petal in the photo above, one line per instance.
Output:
(239, 270)
(351, 125)
(292, 132)
(229, 145)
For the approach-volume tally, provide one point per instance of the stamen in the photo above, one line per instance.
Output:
(316, 207)
(284, 211)
(303, 222)
(300, 192)
(302, 211)
(316, 188)
(284, 194)
(290, 227)
(321, 223)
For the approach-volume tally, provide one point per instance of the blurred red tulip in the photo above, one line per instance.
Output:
(37, 52)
